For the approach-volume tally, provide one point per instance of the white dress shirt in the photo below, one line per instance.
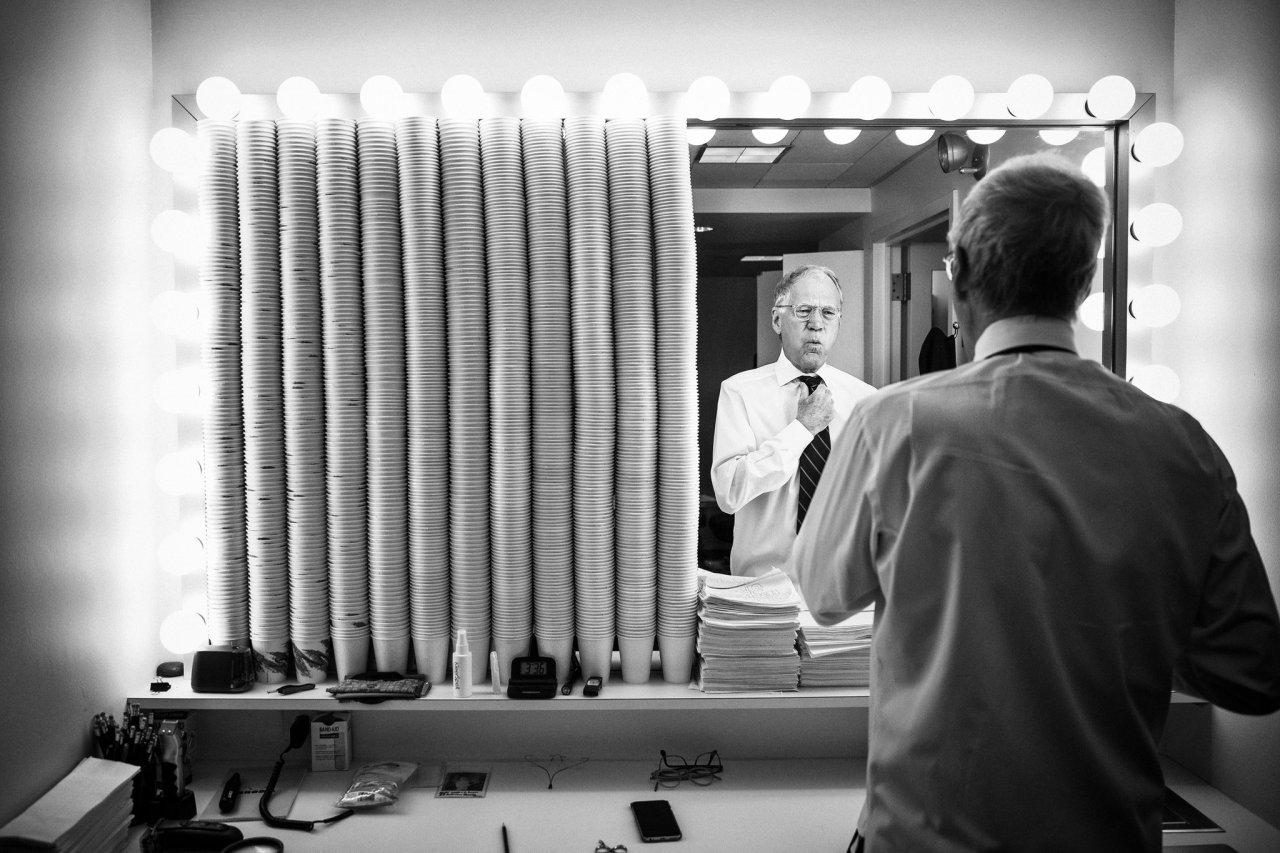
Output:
(756, 452)
(1050, 550)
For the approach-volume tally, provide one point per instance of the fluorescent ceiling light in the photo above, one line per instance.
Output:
(741, 154)
(761, 259)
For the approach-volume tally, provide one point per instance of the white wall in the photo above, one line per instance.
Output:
(77, 581)
(1226, 266)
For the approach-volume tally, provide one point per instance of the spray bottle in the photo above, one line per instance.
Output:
(462, 666)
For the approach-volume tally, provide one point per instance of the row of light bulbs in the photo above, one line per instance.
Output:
(708, 98)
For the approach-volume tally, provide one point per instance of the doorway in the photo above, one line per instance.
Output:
(910, 294)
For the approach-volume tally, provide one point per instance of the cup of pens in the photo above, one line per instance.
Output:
(159, 748)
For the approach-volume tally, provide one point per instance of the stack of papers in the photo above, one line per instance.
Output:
(89, 810)
(836, 655)
(747, 633)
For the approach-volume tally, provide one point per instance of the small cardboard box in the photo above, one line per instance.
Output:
(331, 741)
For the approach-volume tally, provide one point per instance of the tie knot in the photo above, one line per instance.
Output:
(811, 382)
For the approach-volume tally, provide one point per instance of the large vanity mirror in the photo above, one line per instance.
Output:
(876, 208)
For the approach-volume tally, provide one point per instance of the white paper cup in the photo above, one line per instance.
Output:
(351, 655)
(596, 655)
(637, 658)
(432, 656)
(677, 658)
(391, 655)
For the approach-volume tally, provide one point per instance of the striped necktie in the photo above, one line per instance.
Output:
(811, 461)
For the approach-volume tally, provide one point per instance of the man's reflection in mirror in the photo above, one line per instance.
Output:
(775, 423)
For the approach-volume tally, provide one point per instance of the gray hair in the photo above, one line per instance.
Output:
(783, 289)
(1029, 233)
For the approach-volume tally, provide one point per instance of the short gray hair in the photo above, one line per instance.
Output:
(1030, 233)
(783, 289)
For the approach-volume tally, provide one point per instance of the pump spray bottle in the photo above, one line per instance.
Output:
(462, 666)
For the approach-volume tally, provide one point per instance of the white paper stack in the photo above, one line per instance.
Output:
(88, 810)
(836, 655)
(747, 632)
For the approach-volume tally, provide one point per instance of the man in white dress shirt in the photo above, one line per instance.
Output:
(767, 417)
(1050, 552)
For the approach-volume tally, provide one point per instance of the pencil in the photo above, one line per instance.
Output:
(506, 845)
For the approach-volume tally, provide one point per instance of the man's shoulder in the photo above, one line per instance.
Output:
(754, 376)
(833, 375)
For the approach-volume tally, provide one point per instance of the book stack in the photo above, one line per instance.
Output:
(836, 655)
(747, 633)
(89, 810)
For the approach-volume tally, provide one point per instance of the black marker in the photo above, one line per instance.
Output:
(230, 794)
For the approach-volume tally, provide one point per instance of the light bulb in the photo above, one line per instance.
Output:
(841, 135)
(382, 97)
(768, 135)
(1157, 224)
(985, 135)
(175, 150)
(181, 553)
(463, 97)
(870, 98)
(183, 631)
(1158, 381)
(1094, 166)
(176, 313)
(218, 98)
(542, 97)
(298, 98)
(700, 135)
(178, 473)
(789, 97)
(1092, 312)
(951, 97)
(1030, 96)
(914, 135)
(1155, 305)
(1157, 144)
(177, 391)
(1059, 135)
(708, 98)
(625, 96)
(170, 228)
(180, 234)
(1111, 97)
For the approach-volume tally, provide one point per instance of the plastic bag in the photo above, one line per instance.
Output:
(377, 784)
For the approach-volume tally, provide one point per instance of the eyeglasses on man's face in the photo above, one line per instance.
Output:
(804, 312)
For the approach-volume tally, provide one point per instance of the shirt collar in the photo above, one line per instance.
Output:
(786, 372)
(1025, 330)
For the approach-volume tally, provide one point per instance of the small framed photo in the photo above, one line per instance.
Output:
(464, 782)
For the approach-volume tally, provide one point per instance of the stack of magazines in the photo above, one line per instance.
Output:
(89, 810)
(836, 655)
(747, 633)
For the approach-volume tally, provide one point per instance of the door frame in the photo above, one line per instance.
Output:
(884, 240)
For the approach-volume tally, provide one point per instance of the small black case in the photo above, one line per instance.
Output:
(189, 836)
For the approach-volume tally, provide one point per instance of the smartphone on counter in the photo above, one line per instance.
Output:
(655, 820)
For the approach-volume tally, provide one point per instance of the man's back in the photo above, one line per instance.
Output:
(1042, 533)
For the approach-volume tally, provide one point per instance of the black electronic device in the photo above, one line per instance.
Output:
(222, 669)
(532, 677)
(655, 820)
(593, 685)
(188, 836)
(298, 734)
(230, 794)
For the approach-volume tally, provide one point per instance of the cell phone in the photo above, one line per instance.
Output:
(655, 820)
(592, 687)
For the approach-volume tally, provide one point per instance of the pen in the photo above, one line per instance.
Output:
(506, 844)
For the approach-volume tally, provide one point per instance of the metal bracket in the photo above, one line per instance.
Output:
(900, 287)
